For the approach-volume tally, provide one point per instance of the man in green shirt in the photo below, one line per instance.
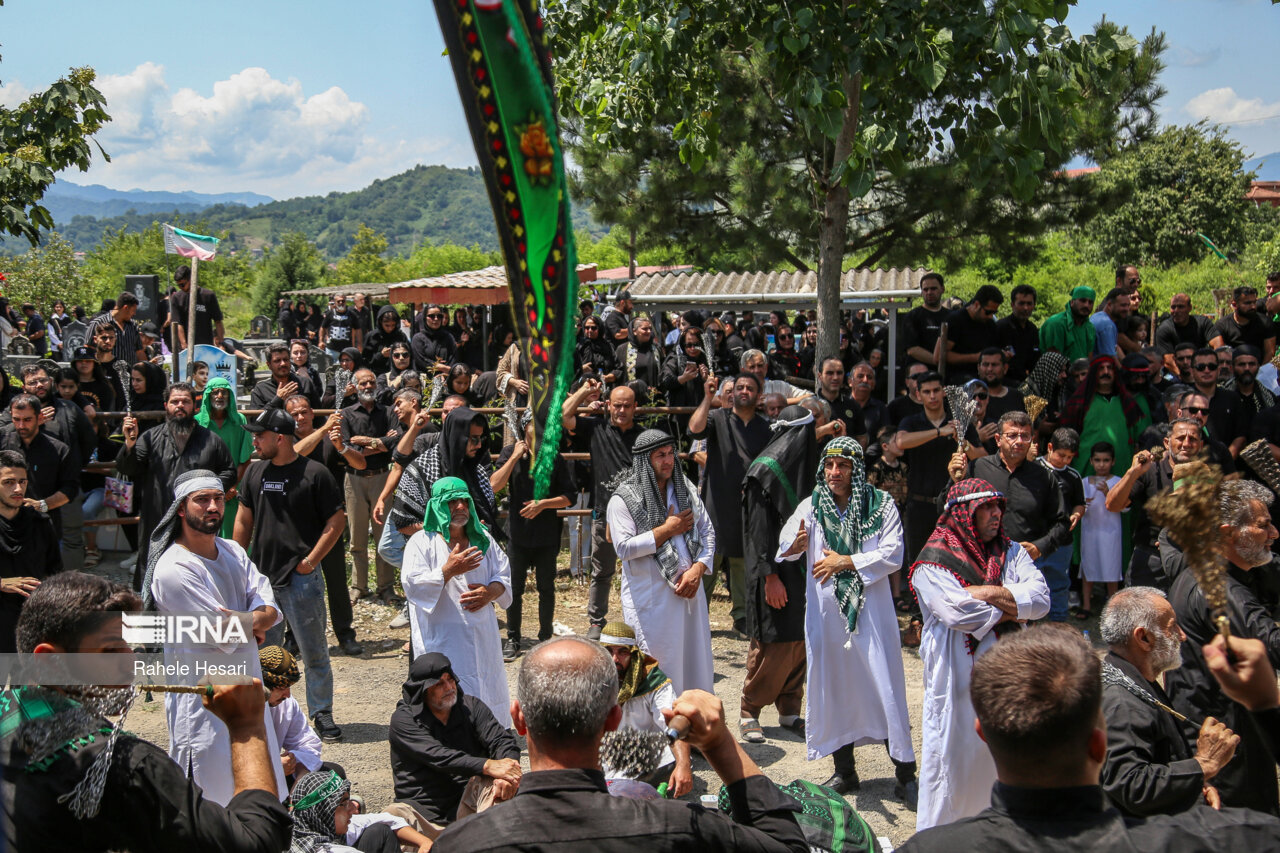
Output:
(218, 413)
(1070, 332)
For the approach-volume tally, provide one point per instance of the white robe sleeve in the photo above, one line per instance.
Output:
(789, 532)
(295, 735)
(1026, 583)
(360, 822)
(257, 588)
(423, 581)
(886, 558)
(499, 570)
(941, 594)
(707, 539)
(622, 528)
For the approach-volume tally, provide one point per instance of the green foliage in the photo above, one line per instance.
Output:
(726, 129)
(426, 204)
(293, 265)
(1182, 181)
(364, 262)
(46, 272)
(46, 133)
(430, 260)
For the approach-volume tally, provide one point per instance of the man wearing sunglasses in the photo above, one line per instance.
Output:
(1224, 406)
(969, 330)
(1195, 406)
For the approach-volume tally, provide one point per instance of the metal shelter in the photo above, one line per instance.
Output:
(890, 289)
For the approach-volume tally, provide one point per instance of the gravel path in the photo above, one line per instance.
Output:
(367, 688)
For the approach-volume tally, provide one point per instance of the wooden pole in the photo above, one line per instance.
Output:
(191, 319)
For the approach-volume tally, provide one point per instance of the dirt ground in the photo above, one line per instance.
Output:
(367, 688)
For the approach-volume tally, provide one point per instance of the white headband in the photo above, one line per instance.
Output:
(197, 484)
(610, 640)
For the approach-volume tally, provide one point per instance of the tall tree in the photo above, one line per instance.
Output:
(295, 264)
(46, 133)
(50, 271)
(1182, 181)
(365, 262)
(815, 129)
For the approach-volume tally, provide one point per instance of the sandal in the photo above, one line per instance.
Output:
(904, 606)
(1082, 614)
(911, 634)
(92, 557)
(751, 731)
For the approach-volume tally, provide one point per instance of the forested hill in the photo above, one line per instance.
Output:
(426, 203)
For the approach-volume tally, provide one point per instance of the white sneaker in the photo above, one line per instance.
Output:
(402, 618)
(130, 561)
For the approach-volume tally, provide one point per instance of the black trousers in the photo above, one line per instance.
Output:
(542, 560)
(904, 771)
(334, 567)
(378, 838)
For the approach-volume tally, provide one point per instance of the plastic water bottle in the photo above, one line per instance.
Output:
(1087, 639)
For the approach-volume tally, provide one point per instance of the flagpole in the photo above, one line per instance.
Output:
(191, 320)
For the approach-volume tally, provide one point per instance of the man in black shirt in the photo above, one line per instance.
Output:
(922, 324)
(1181, 327)
(29, 550)
(67, 422)
(325, 445)
(53, 468)
(286, 320)
(1194, 405)
(283, 382)
(927, 441)
(1242, 535)
(1151, 767)
(291, 507)
(1224, 406)
(208, 314)
(145, 803)
(1034, 515)
(875, 412)
(447, 750)
(909, 403)
(1017, 335)
(617, 323)
(993, 366)
(37, 332)
(1254, 397)
(610, 441)
(831, 387)
(1144, 480)
(374, 430)
(339, 329)
(1245, 325)
(567, 698)
(735, 438)
(1038, 698)
(969, 331)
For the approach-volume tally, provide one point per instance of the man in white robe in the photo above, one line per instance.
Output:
(973, 585)
(850, 535)
(664, 538)
(300, 746)
(192, 570)
(452, 572)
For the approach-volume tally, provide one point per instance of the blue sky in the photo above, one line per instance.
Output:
(288, 98)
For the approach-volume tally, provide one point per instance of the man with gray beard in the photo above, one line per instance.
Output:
(1245, 534)
(155, 459)
(374, 431)
(1151, 768)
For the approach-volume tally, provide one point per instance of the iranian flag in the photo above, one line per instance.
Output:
(198, 246)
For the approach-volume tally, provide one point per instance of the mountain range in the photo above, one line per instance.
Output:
(425, 203)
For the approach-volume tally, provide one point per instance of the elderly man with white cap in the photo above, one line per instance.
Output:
(664, 537)
(191, 570)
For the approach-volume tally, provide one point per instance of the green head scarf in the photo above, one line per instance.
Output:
(204, 417)
(437, 518)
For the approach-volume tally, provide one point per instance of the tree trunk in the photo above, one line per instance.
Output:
(834, 231)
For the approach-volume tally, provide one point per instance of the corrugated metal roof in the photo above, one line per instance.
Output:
(482, 279)
(694, 285)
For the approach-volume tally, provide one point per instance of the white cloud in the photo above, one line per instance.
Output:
(13, 94)
(1226, 107)
(1187, 57)
(251, 132)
